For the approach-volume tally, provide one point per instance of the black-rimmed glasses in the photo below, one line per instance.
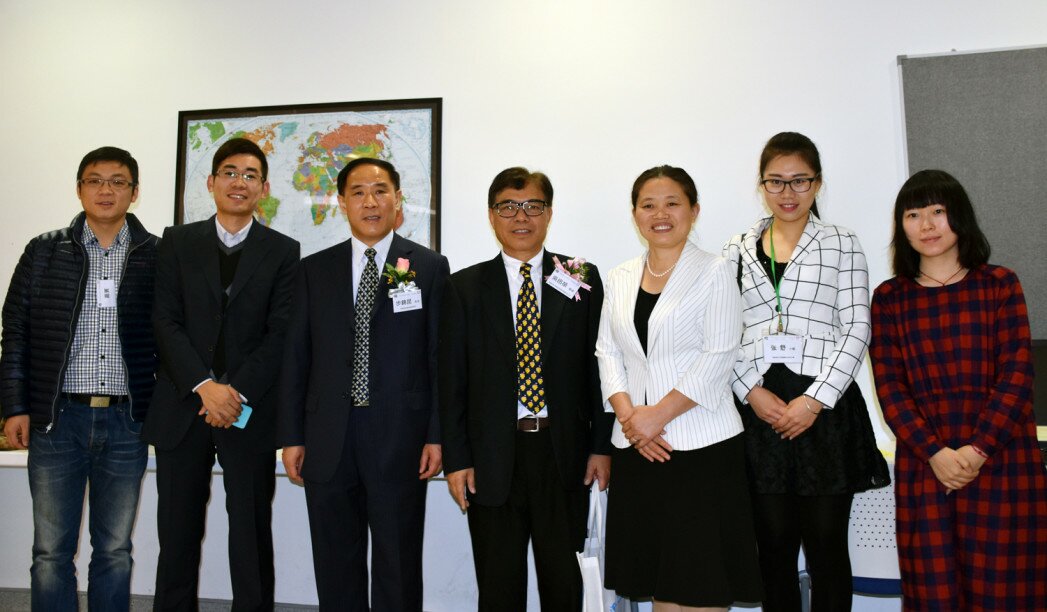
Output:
(798, 185)
(509, 208)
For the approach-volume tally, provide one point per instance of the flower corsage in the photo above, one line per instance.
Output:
(569, 278)
(401, 276)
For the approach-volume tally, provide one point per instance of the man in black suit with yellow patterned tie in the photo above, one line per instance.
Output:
(524, 429)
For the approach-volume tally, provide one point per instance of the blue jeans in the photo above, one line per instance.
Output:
(100, 446)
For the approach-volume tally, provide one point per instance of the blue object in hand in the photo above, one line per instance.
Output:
(245, 413)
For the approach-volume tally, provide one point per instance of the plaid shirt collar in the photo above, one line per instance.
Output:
(122, 237)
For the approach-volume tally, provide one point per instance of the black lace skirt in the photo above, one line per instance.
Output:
(837, 455)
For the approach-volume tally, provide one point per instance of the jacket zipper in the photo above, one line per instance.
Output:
(127, 374)
(72, 331)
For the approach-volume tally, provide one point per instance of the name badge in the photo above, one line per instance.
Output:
(781, 348)
(106, 293)
(406, 301)
(562, 282)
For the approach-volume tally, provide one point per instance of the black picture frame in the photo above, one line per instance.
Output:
(399, 128)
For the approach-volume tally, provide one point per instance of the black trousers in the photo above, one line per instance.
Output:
(820, 523)
(358, 500)
(539, 510)
(183, 484)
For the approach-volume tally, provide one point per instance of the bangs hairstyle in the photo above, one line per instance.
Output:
(518, 178)
(109, 154)
(923, 189)
(239, 146)
(676, 175)
(793, 143)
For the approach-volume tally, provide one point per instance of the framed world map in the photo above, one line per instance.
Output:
(306, 146)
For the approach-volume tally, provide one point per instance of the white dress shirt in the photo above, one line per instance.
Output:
(512, 272)
(360, 259)
(692, 346)
(230, 239)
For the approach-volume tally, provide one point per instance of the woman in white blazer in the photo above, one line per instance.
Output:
(809, 441)
(679, 523)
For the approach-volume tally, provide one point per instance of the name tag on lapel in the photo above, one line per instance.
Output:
(406, 301)
(563, 283)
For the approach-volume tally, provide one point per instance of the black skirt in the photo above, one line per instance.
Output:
(837, 455)
(682, 531)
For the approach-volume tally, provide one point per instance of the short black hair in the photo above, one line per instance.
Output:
(677, 175)
(343, 175)
(109, 154)
(239, 146)
(519, 177)
(925, 188)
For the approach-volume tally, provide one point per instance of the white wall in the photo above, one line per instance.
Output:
(590, 92)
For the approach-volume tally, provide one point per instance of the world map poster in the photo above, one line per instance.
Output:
(306, 146)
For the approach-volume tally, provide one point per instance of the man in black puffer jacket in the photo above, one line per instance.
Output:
(77, 363)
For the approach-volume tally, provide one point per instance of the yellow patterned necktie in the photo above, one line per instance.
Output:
(528, 346)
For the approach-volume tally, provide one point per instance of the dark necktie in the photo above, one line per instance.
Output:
(365, 295)
(528, 345)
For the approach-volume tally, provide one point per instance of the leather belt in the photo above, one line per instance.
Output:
(532, 424)
(97, 401)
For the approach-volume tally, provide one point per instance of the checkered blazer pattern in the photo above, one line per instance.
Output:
(825, 301)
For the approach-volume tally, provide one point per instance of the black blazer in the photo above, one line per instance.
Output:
(317, 374)
(187, 316)
(478, 400)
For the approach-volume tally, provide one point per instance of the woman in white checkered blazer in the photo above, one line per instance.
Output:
(809, 441)
(679, 522)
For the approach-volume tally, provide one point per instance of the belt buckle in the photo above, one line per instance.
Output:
(99, 401)
(536, 425)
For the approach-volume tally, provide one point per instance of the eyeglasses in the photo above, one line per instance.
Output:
(232, 175)
(116, 184)
(509, 208)
(798, 185)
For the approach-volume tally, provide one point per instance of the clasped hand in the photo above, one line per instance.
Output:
(788, 420)
(221, 404)
(644, 428)
(956, 469)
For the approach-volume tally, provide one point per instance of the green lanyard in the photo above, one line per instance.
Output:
(775, 280)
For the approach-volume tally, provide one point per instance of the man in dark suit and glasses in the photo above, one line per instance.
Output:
(223, 297)
(524, 428)
(358, 418)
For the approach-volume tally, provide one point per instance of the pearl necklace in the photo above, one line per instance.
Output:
(656, 274)
(946, 281)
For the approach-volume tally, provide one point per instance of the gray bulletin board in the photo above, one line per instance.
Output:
(982, 117)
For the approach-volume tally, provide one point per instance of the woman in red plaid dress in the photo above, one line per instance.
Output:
(953, 365)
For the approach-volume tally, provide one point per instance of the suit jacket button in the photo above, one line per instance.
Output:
(210, 349)
(345, 396)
